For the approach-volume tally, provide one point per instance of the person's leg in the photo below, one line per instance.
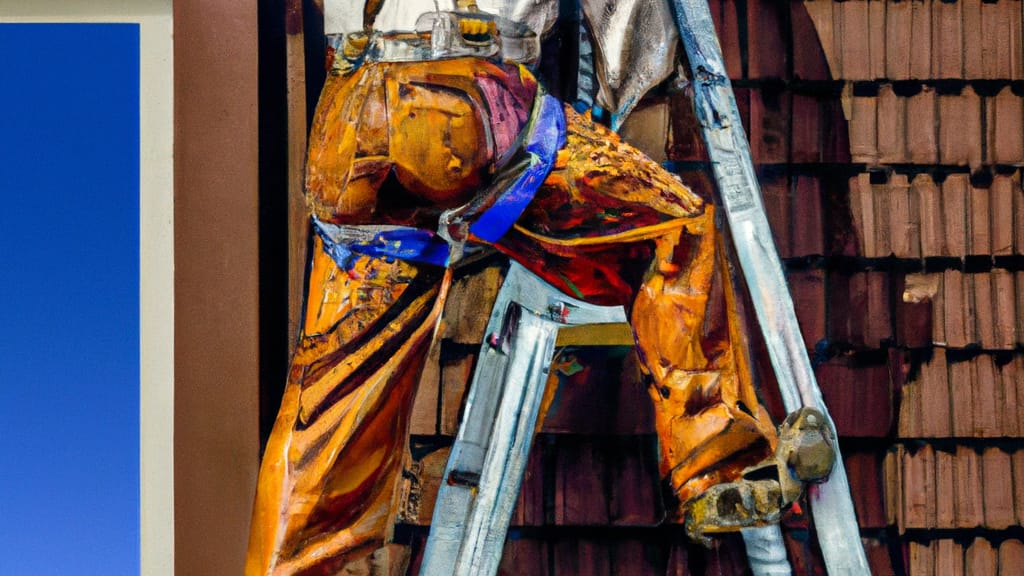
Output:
(611, 226)
(709, 421)
(391, 144)
(332, 465)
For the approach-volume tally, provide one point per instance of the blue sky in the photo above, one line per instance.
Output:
(69, 324)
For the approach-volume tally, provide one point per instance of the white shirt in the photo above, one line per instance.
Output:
(344, 16)
(634, 40)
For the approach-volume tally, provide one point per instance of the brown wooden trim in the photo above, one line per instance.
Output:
(298, 218)
(216, 443)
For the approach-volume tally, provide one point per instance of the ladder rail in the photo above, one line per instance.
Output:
(510, 446)
(729, 151)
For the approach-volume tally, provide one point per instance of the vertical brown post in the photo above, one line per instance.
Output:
(298, 220)
(216, 444)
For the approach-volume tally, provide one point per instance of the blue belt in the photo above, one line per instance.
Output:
(490, 221)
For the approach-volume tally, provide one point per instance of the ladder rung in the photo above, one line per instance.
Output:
(464, 478)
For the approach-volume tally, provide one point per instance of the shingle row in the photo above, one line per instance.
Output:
(964, 129)
(980, 557)
(654, 553)
(980, 397)
(971, 310)
(919, 217)
(921, 39)
(930, 488)
(782, 125)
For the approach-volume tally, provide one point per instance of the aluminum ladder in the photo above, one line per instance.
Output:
(481, 481)
(485, 468)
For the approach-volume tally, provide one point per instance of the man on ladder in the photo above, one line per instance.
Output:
(431, 143)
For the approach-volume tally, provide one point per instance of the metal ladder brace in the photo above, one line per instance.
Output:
(481, 481)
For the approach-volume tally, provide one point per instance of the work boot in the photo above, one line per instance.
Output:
(805, 454)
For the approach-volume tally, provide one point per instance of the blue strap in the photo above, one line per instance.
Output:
(402, 243)
(547, 137)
